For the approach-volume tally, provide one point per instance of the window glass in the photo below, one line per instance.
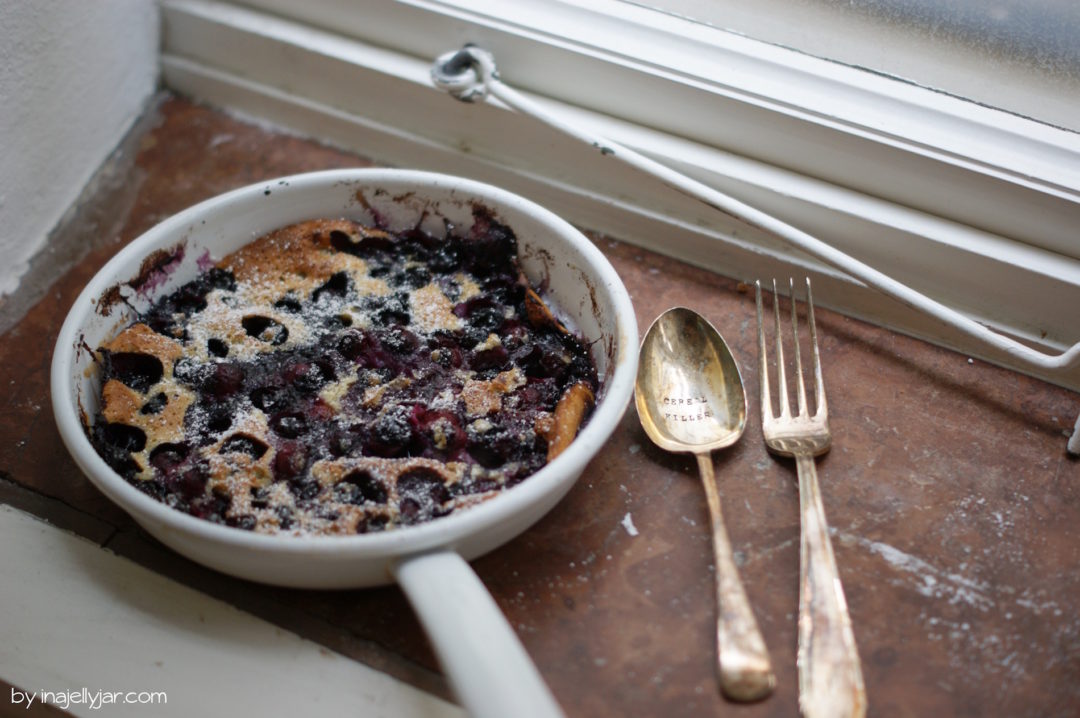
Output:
(1022, 56)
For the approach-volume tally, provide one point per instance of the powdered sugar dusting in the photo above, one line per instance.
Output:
(336, 383)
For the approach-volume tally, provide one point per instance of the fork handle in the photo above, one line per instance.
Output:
(744, 668)
(830, 678)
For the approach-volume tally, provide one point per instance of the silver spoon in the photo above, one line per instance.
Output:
(690, 398)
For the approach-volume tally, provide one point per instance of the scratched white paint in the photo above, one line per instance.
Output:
(74, 75)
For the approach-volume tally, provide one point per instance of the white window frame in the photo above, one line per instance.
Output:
(972, 206)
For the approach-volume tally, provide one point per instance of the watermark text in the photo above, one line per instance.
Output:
(94, 699)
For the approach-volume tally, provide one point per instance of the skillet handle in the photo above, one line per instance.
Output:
(489, 670)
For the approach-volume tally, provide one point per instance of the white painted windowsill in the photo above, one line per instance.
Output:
(971, 206)
(81, 622)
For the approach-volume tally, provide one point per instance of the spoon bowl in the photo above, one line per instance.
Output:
(689, 397)
(690, 394)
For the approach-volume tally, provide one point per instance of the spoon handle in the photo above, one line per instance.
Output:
(744, 666)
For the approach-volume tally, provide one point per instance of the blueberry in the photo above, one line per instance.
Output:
(474, 486)
(422, 492)
(124, 437)
(491, 359)
(155, 405)
(285, 517)
(482, 312)
(400, 340)
(223, 279)
(189, 299)
(371, 524)
(259, 497)
(305, 490)
(265, 329)
(244, 444)
(362, 486)
(217, 347)
(267, 398)
(539, 393)
(445, 349)
(547, 358)
(290, 460)
(188, 371)
(341, 241)
(470, 336)
(493, 448)
(415, 276)
(219, 419)
(447, 258)
(441, 432)
(136, 370)
(307, 377)
(353, 343)
(336, 286)
(247, 522)
(289, 426)
(224, 381)
(361, 246)
(490, 243)
(211, 507)
(391, 434)
(167, 457)
(288, 303)
(394, 310)
(189, 483)
(342, 442)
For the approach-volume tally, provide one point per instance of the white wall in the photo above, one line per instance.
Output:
(74, 75)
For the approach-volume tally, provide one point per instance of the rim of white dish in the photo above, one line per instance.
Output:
(442, 532)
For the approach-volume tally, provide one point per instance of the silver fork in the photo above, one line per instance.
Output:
(830, 678)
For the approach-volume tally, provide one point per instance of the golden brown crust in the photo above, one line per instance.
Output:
(234, 472)
(330, 472)
(432, 310)
(303, 249)
(120, 403)
(483, 397)
(141, 339)
(569, 413)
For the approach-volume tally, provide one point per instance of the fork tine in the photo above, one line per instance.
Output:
(785, 405)
(800, 384)
(820, 405)
(766, 399)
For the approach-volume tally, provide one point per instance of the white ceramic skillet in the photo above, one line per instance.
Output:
(487, 666)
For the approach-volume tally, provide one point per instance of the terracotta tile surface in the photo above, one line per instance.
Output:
(955, 509)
